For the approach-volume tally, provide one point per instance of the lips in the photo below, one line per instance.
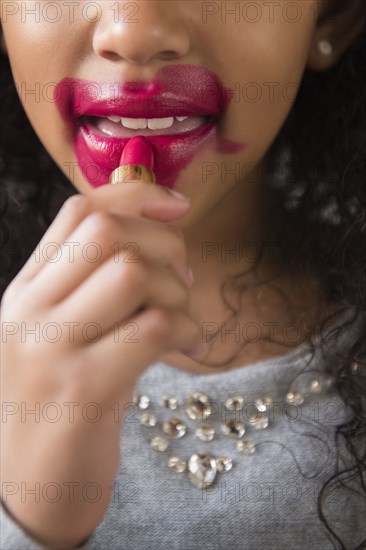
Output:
(103, 116)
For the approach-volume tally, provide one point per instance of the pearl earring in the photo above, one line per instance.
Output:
(325, 47)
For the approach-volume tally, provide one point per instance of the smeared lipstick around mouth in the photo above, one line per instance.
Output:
(178, 113)
(98, 154)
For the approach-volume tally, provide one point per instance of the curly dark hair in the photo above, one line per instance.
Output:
(320, 183)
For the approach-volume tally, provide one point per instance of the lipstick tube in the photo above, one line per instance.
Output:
(136, 163)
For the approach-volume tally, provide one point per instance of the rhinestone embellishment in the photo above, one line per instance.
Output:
(177, 464)
(235, 403)
(205, 432)
(159, 444)
(264, 403)
(202, 468)
(295, 398)
(315, 386)
(224, 463)
(174, 428)
(142, 401)
(233, 429)
(246, 446)
(148, 419)
(259, 422)
(197, 406)
(169, 402)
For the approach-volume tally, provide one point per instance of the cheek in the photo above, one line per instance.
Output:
(35, 60)
(262, 64)
(41, 54)
(35, 44)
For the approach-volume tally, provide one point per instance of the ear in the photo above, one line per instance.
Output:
(336, 30)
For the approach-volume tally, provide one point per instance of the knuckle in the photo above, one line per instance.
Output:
(101, 225)
(76, 204)
(159, 325)
(8, 296)
(174, 293)
(134, 275)
(11, 296)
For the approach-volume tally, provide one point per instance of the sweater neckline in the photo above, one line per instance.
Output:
(301, 356)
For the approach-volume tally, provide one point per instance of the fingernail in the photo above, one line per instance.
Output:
(177, 195)
(188, 277)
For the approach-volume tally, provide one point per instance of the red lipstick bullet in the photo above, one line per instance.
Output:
(136, 163)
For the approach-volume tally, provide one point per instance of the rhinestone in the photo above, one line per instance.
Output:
(233, 429)
(295, 398)
(205, 432)
(169, 402)
(197, 406)
(246, 446)
(261, 423)
(142, 401)
(224, 463)
(315, 386)
(264, 403)
(148, 419)
(175, 428)
(177, 464)
(234, 403)
(202, 469)
(159, 444)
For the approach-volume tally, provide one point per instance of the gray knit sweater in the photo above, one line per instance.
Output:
(267, 500)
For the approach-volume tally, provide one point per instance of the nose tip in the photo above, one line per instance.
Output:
(156, 32)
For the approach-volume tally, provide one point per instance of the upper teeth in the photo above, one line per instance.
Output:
(143, 123)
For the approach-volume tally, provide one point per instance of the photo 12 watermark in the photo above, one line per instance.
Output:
(70, 11)
(69, 491)
(268, 11)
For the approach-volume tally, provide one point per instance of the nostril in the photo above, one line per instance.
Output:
(168, 55)
(109, 56)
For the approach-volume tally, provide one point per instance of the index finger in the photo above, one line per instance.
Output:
(136, 198)
(139, 198)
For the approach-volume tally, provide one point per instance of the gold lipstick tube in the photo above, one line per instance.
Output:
(132, 172)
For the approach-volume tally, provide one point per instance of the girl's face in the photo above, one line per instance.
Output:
(255, 54)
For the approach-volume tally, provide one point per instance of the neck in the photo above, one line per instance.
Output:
(225, 239)
(263, 310)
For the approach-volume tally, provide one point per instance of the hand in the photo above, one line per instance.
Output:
(63, 363)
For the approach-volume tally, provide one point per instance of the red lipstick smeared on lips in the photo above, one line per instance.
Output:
(178, 91)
